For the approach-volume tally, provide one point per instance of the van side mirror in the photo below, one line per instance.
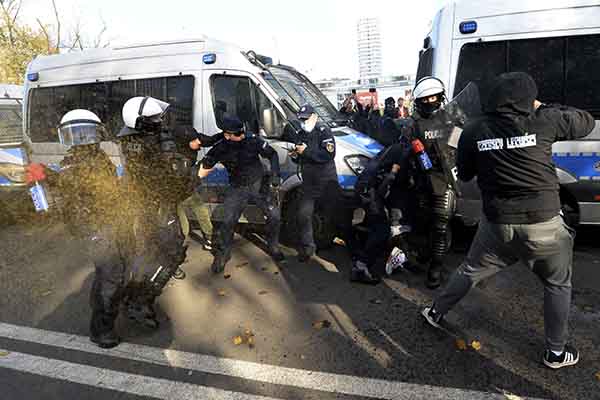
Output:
(271, 122)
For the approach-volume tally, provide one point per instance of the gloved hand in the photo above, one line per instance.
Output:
(35, 173)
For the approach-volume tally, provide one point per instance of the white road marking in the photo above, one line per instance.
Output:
(120, 381)
(305, 379)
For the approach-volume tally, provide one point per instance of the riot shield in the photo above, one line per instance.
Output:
(445, 128)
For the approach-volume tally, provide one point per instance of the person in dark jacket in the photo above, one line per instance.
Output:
(315, 150)
(388, 133)
(239, 152)
(509, 150)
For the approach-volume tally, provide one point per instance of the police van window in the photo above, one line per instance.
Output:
(583, 80)
(564, 68)
(480, 63)
(106, 99)
(233, 97)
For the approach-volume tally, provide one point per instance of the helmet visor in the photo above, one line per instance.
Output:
(80, 133)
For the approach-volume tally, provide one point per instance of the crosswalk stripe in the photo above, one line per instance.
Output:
(120, 381)
(305, 379)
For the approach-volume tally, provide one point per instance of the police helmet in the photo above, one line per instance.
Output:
(80, 127)
(142, 114)
(426, 87)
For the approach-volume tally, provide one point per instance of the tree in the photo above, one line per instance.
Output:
(20, 43)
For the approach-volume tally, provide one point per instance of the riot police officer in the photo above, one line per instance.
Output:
(239, 153)
(87, 194)
(315, 148)
(435, 186)
(157, 178)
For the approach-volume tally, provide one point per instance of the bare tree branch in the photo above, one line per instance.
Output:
(57, 25)
(19, 4)
(46, 34)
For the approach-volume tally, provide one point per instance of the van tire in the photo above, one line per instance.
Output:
(323, 226)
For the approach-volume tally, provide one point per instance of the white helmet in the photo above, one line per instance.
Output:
(426, 87)
(80, 127)
(138, 110)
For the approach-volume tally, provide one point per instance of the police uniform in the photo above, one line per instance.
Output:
(246, 172)
(157, 178)
(88, 194)
(435, 190)
(319, 176)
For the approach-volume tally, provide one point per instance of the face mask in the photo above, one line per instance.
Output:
(426, 109)
(309, 124)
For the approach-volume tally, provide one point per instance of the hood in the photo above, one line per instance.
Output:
(512, 93)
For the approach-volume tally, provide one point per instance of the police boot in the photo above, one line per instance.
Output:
(276, 253)
(218, 264)
(141, 311)
(102, 330)
(434, 276)
(360, 273)
(305, 254)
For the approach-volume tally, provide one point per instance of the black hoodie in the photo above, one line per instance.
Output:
(509, 149)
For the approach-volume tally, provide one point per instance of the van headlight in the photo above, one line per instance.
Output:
(13, 172)
(357, 163)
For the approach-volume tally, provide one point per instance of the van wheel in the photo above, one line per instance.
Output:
(323, 227)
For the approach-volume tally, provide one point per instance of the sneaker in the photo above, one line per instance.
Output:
(106, 340)
(305, 255)
(276, 254)
(362, 276)
(432, 317)
(179, 274)
(395, 261)
(569, 356)
(207, 245)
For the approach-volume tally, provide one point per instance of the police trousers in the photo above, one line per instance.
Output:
(236, 200)
(546, 248)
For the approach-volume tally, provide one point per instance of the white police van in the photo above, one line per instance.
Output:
(203, 80)
(13, 155)
(558, 43)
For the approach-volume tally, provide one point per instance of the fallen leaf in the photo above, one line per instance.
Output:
(222, 292)
(46, 293)
(339, 242)
(251, 342)
(262, 292)
(227, 276)
(238, 340)
(476, 345)
(598, 375)
(302, 357)
(190, 373)
(248, 333)
(242, 265)
(321, 324)
(460, 344)
(4, 353)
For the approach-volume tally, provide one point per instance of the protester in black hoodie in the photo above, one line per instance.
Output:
(509, 150)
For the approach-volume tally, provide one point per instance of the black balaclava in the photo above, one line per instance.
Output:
(512, 93)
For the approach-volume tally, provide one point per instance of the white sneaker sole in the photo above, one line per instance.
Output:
(561, 365)
(425, 314)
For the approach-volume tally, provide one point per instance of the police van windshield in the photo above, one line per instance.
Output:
(295, 89)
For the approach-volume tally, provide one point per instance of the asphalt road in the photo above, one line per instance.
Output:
(313, 334)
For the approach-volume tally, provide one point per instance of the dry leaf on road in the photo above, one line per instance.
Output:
(476, 345)
(242, 265)
(321, 324)
(598, 375)
(4, 353)
(262, 292)
(222, 292)
(460, 344)
(227, 276)
(238, 340)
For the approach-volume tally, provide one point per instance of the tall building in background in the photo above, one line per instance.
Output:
(369, 49)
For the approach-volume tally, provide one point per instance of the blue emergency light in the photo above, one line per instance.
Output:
(209, 58)
(33, 77)
(468, 27)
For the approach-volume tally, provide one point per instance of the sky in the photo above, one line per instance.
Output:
(318, 37)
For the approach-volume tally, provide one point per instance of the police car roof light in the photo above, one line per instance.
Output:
(209, 58)
(468, 27)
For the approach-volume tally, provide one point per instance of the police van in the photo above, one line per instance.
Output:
(555, 41)
(13, 155)
(204, 80)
